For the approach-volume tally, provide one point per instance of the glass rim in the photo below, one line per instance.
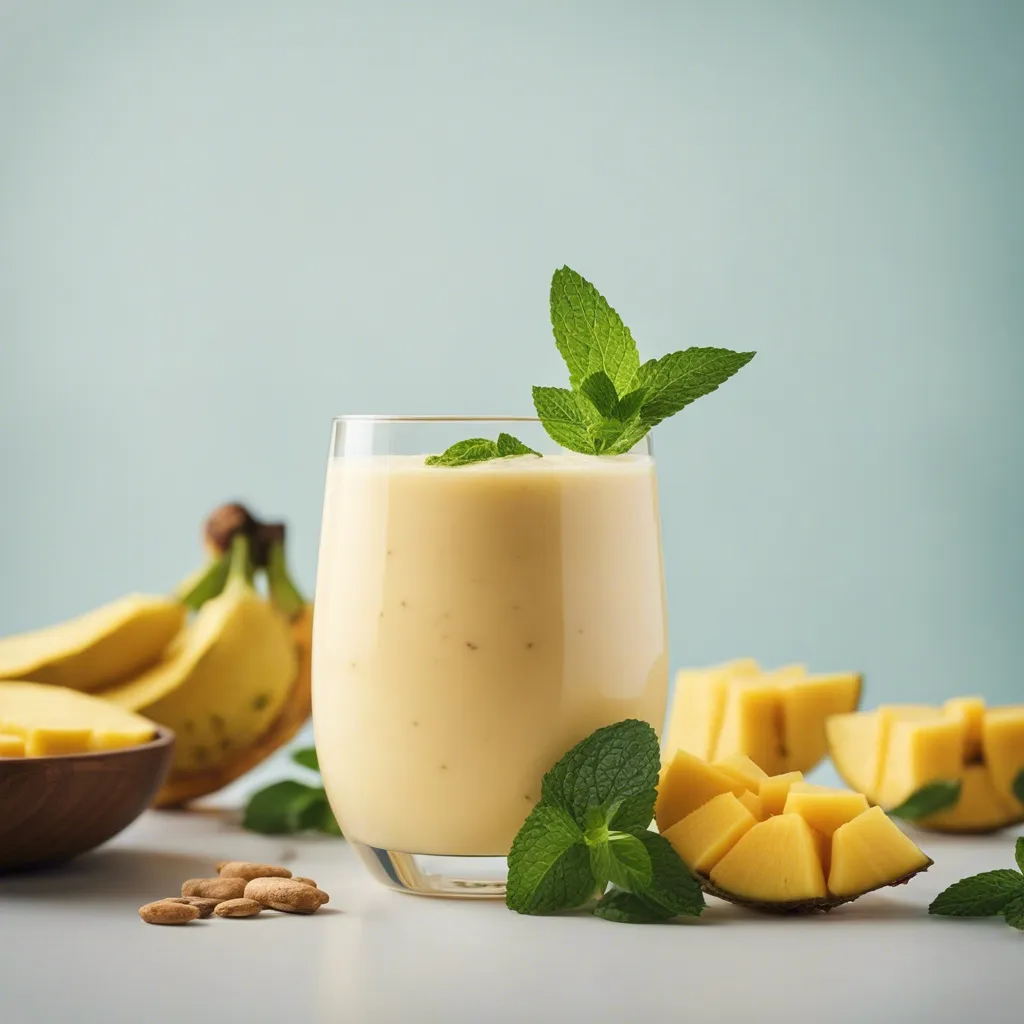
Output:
(429, 418)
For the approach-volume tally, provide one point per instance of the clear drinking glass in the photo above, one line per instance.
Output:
(471, 625)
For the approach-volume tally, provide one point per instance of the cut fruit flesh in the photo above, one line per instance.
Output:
(687, 783)
(980, 807)
(775, 862)
(774, 790)
(920, 753)
(754, 804)
(971, 712)
(697, 707)
(53, 720)
(743, 770)
(12, 746)
(1003, 747)
(869, 852)
(702, 838)
(751, 723)
(807, 703)
(825, 810)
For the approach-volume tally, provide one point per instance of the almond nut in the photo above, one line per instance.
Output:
(304, 881)
(249, 870)
(204, 904)
(168, 912)
(214, 888)
(286, 894)
(238, 908)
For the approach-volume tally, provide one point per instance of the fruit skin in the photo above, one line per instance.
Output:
(97, 649)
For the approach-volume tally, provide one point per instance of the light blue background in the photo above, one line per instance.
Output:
(222, 223)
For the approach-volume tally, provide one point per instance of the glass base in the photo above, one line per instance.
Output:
(466, 878)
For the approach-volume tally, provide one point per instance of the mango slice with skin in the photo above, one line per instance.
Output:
(702, 838)
(774, 790)
(777, 862)
(825, 810)
(53, 720)
(869, 852)
(981, 807)
(919, 753)
(687, 783)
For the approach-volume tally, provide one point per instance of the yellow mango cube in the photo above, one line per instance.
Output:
(920, 752)
(824, 809)
(870, 851)
(687, 783)
(774, 790)
(12, 746)
(743, 770)
(703, 837)
(807, 703)
(1002, 737)
(971, 712)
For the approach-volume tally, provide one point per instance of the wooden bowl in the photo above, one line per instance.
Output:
(54, 808)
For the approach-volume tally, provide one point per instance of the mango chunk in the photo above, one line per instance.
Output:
(971, 712)
(776, 861)
(823, 809)
(698, 704)
(1002, 738)
(743, 770)
(807, 703)
(774, 790)
(981, 807)
(706, 835)
(918, 753)
(53, 720)
(869, 852)
(12, 746)
(754, 804)
(687, 783)
(752, 721)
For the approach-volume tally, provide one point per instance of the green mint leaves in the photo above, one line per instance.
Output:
(987, 894)
(1018, 789)
(612, 400)
(930, 799)
(291, 806)
(591, 829)
(480, 449)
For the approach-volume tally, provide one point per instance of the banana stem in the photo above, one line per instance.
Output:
(200, 587)
(240, 567)
(283, 591)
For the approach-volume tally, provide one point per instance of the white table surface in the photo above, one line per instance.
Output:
(73, 950)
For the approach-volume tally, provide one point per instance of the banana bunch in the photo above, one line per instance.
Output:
(225, 667)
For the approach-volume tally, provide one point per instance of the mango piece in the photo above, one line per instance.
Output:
(53, 720)
(12, 746)
(1002, 740)
(807, 703)
(704, 836)
(971, 712)
(754, 804)
(743, 770)
(776, 861)
(687, 783)
(918, 753)
(869, 852)
(824, 809)
(97, 649)
(697, 707)
(980, 808)
(775, 790)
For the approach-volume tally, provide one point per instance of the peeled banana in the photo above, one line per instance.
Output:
(224, 679)
(103, 646)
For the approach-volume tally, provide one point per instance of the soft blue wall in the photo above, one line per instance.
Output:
(221, 223)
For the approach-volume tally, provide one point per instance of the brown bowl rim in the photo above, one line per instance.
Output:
(164, 737)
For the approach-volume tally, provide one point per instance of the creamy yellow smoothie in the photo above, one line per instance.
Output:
(472, 624)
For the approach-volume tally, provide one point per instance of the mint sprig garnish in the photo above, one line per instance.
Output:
(929, 799)
(292, 806)
(987, 894)
(480, 449)
(613, 400)
(591, 829)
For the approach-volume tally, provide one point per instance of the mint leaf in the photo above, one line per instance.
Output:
(980, 895)
(280, 808)
(930, 799)
(1018, 789)
(563, 419)
(549, 864)
(1014, 913)
(676, 380)
(631, 435)
(1019, 852)
(628, 908)
(589, 333)
(622, 860)
(598, 387)
(629, 405)
(509, 446)
(672, 886)
(307, 758)
(611, 765)
(633, 813)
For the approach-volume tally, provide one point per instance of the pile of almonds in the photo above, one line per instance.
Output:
(241, 889)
